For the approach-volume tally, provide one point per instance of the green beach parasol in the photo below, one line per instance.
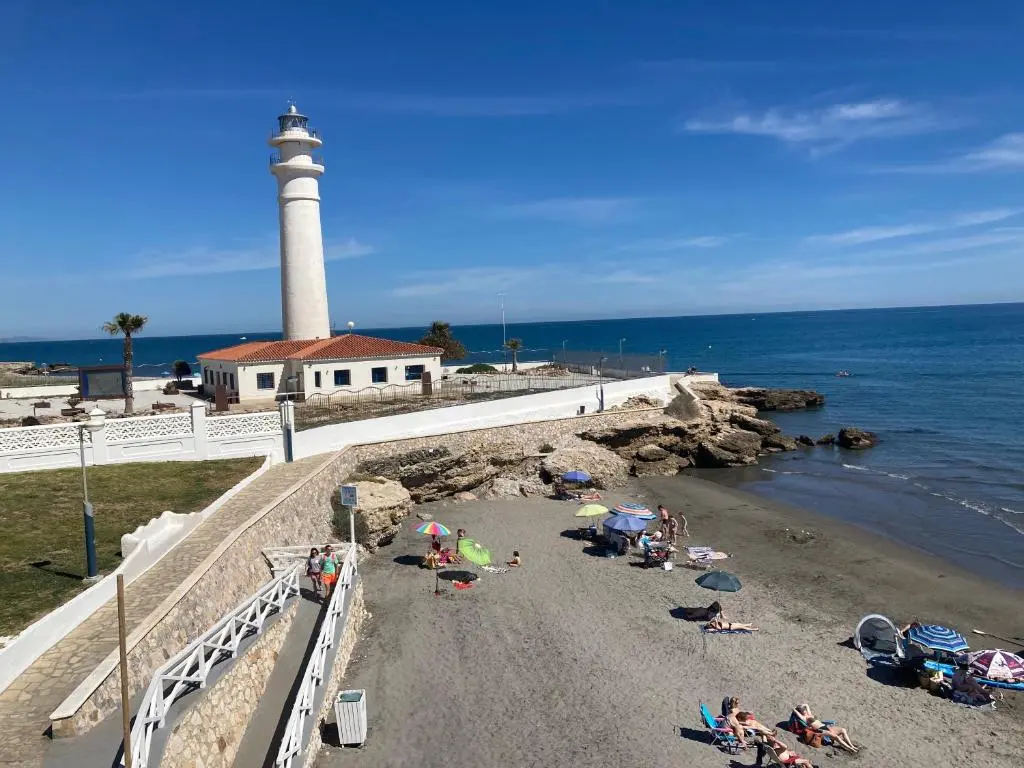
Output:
(591, 510)
(475, 552)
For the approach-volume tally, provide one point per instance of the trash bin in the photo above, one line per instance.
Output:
(350, 714)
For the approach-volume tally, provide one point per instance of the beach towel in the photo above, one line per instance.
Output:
(709, 631)
(463, 584)
(494, 569)
(705, 553)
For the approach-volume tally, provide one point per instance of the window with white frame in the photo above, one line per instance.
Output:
(414, 372)
(343, 378)
(316, 379)
(379, 375)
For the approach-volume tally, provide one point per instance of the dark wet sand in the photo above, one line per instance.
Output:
(576, 659)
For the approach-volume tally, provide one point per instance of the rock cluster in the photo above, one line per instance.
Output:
(856, 439)
(762, 399)
(383, 505)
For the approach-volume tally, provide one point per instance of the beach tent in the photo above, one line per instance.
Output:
(877, 638)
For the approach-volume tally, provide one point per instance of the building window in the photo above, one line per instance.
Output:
(231, 380)
(414, 372)
(316, 379)
(343, 378)
(220, 378)
(379, 375)
(264, 381)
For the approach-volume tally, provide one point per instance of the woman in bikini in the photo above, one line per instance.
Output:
(785, 756)
(720, 624)
(839, 735)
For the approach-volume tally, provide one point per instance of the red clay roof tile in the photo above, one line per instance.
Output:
(347, 347)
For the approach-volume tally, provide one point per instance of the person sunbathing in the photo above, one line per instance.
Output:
(839, 735)
(969, 690)
(786, 757)
(749, 724)
(720, 624)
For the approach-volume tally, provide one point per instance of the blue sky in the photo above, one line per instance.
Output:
(585, 158)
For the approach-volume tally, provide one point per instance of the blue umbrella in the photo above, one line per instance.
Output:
(937, 638)
(576, 476)
(625, 524)
(723, 581)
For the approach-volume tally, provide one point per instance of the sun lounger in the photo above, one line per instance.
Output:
(721, 734)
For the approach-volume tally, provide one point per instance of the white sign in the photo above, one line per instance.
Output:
(349, 496)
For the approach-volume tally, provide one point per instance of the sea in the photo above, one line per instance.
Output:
(943, 387)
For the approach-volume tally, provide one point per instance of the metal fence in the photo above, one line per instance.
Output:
(457, 389)
(611, 365)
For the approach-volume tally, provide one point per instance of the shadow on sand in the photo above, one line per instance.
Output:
(416, 560)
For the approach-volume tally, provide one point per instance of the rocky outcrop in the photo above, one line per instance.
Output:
(733, 449)
(805, 440)
(856, 439)
(607, 469)
(762, 399)
(383, 505)
(778, 442)
(828, 439)
(752, 424)
(651, 452)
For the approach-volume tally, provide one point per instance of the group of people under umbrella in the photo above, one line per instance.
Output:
(466, 550)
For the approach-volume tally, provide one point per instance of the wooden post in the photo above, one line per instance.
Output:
(126, 713)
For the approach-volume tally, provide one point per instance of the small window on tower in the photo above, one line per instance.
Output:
(379, 375)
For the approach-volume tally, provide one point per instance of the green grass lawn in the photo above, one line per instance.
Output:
(42, 539)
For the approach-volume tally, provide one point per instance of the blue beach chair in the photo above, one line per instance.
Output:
(721, 735)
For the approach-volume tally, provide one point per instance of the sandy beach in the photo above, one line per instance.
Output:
(576, 659)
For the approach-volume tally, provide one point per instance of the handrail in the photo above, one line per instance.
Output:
(191, 667)
(293, 744)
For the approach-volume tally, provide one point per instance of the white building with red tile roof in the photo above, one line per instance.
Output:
(258, 370)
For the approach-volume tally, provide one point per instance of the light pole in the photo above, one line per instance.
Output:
(600, 393)
(504, 340)
(661, 360)
(93, 424)
(621, 341)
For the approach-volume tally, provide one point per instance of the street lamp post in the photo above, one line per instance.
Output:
(93, 425)
(600, 392)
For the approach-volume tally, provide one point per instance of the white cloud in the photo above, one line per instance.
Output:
(666, 244)
(211, 261)
(1005, 153)
(627, 277)
(874, 234)
(838, 124)
(572, 210)
(477, 280)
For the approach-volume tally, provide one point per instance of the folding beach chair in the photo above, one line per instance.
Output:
(799, 726)
(721, 735)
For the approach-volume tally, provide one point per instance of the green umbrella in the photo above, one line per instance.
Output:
(475, 552)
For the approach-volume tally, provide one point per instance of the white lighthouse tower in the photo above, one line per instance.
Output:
(303, 278)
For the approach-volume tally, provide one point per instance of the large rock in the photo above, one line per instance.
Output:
(671, 465)
(665, 432)
(828, 439)
(761, 398)
(607, 469)
(752, 424)
(383, 505)
(805, 440)
(856, 439)
(651, 452)
(779, 442)
(731, 449)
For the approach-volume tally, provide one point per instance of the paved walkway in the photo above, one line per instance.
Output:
(26, 705)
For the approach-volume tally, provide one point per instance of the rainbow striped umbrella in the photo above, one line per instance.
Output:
(636, 510)
(432, 528)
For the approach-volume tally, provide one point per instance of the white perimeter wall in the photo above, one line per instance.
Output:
(60, 390)
(503, 412)
(361, 373)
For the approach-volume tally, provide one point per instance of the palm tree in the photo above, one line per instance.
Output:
(126, 324)
(513, 346)
(440, 335)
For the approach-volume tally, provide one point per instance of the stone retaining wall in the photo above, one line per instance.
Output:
(210, 733)
(354, 618)
(234, 571)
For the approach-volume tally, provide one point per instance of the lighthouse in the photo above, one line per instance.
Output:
(303, 278)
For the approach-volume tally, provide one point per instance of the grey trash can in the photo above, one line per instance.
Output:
(350, 714)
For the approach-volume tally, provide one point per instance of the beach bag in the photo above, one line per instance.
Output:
(812, 738)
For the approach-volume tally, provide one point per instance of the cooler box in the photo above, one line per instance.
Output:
(350, 714)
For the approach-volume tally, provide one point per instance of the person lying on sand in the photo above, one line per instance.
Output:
(839, 735)
(969, 689)
(786, 757)
(720, 624)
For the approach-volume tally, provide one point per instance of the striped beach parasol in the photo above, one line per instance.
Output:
(432, 528)
(998, 665)
(636, 510)
(938, 638)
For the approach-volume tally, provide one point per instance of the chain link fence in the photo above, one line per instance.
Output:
(611, 365)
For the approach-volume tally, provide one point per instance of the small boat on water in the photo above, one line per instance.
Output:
(243, 338)
(842, 374)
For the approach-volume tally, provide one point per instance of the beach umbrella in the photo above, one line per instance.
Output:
(576, 476)
(937, 638)
(998, 665)
(432, 528)
(475, 552)
(723, 581)
(625, 524)
(636, 510)
(591, 510)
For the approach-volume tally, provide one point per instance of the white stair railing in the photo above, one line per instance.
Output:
(191, 667)
(313, 675)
